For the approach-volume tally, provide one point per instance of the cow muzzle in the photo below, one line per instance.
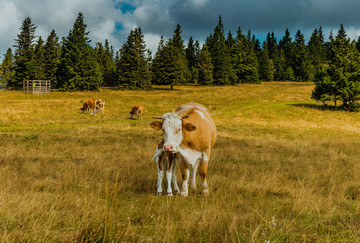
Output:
(168, 148)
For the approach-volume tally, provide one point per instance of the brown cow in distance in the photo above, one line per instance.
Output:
(189, 133)
(137, 111)
(89, 105)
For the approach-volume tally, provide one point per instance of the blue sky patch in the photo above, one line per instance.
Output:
(125, 7)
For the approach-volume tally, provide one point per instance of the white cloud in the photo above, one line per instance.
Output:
(100, 17)
(10, 22)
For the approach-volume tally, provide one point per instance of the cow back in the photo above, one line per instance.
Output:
(204, 136)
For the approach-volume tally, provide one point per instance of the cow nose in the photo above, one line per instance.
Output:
(168, 148)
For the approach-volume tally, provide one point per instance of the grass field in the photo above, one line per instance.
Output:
(283, 169)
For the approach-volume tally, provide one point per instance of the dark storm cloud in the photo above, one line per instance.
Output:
(199, 18)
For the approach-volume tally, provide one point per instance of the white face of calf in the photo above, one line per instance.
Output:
(172, 127)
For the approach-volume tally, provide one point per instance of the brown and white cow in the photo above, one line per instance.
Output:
(189, 133)
(89, 105)
(136, 111)
(100, 105)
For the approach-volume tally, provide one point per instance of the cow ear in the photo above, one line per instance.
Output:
(156, 125)
(189, 127)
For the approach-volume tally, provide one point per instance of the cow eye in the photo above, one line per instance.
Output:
(178, 130)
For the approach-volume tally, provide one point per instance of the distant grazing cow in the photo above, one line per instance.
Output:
(136, 111)
(89, 105)
(189, 133)
(100, 105)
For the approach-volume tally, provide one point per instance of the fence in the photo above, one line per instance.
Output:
(37, 86)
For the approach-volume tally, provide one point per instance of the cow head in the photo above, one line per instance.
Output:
(173, 127)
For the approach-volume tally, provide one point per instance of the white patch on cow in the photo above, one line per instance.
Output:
(200, 113)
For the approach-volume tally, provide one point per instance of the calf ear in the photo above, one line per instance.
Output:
(156, 125)
(189, 127)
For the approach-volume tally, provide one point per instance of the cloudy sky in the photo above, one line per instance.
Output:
(113, 19)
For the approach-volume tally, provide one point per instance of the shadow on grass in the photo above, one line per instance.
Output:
(319, 107)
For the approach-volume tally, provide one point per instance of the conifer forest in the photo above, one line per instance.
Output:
(73, 63)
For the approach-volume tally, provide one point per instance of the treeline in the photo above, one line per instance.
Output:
(73, 64)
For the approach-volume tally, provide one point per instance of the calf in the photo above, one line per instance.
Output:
(189, 133)
(136, 111)
(100, 105)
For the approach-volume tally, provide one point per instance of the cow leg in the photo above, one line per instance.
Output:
(185, 177)
(193, 176)
(203, 171)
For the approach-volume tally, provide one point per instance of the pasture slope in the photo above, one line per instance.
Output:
(283, 169)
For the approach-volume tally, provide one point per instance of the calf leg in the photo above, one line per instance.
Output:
(169, 172)
(159, 163)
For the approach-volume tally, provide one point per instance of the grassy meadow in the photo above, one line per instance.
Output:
(283, 169)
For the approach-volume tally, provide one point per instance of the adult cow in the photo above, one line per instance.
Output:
(137, 111)
(189, 133)
(89, 105)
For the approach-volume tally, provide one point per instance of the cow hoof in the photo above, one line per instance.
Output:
(177, 192)
(158, 193)
(205, 192)
(169, 194)
(183, 194)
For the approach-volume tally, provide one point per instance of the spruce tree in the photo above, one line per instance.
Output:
(24, 54)
(220, 54)
(7, 67)
(78, 69)
(52, 58)
(302, 66)
(205, 67)
(132, 68)
(267, 69)
(38, 66)
(341, 79)
(316, 48)
(192, 53)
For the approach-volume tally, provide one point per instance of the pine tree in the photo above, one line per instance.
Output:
(341, 79)
(78, 69)
(105, 58)
(7, 67)
(316, 47)
(303, 69)
(220, 54)
(192, 54)
(267, 69)
(24, 54)
(133, 71)
(52, 58)
(177, 40)
(158, 65)
(39, 61)
(287, 45)
(205, 67)
(245, 59)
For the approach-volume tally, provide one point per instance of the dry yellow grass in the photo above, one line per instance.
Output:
(283, 169)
